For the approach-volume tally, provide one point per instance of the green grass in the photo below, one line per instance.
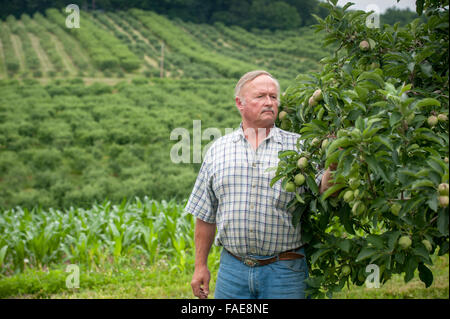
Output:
(135, 278)
(396, 288)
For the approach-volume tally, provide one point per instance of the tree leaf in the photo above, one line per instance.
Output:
(425, 275)
(286, 153)
(442, 221)
(310, 181)
(365, 252)
(330, 191)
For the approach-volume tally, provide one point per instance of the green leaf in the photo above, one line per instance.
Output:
(311, 182)
(375, 240)
(425, 275)
(442, 221)
(365, 252)
(286, 153)
(275, 179)
(339, 142)
(299, 198)
(383, 140)
(426, 102)
(375, 167)
(422, 183)
(392, 239)
(411, 266)
(395, 118)
(330, 191)
(345, 245)
(318, 254)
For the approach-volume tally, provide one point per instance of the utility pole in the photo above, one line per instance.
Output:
(161, 72)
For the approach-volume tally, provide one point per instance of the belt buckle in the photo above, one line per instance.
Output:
(251, 262)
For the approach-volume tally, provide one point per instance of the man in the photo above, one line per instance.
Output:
(262, 255)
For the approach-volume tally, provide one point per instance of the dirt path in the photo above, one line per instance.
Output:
(45, 61)
(67, 61)
(17, 45)
(2, 62)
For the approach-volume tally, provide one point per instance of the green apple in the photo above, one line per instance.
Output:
(290, 187)
(302, 162)
(346, 270)
(282, 115)
(348, 196)
(443, 201)
(443, 189)
(395, 209)
(364, 45)
(404, 242)
(315, 141)
(432, 120)
(442, 118)
(358, 208)
(354, 183)
(299, 179)
(312, 101)
(317, 95)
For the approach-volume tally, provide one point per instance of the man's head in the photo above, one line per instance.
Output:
(257, 97)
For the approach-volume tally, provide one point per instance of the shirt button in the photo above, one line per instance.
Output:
(252, 206)
(254, 165)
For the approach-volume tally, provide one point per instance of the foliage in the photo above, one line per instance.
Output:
(371, 120)
(153, 230)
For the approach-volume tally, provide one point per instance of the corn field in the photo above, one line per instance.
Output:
(146, 228)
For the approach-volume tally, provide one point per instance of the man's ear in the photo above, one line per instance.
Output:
(239, 103)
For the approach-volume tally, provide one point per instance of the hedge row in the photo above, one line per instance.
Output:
(45, 41)
(187, 45)
(11, 61)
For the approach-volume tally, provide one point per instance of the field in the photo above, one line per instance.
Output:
(86, 174)
(139, 249)
(88, 115)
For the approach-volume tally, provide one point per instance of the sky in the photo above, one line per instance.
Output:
(381, 4)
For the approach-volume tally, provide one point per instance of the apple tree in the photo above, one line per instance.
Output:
(377, 116)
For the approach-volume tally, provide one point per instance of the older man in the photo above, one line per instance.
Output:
(263, 255)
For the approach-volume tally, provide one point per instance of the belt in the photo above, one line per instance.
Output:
(253, 262)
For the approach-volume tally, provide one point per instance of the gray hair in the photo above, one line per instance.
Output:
(250, 76)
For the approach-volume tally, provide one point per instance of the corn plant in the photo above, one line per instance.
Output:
(38, 238)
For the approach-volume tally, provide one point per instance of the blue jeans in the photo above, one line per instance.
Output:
(283, 279)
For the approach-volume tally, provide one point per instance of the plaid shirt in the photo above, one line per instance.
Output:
(232, 190)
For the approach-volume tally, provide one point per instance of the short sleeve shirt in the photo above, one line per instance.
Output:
(233, 190)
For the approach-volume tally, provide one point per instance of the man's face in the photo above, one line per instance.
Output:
(259, 102)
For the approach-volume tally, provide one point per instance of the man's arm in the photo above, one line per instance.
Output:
(204, 237)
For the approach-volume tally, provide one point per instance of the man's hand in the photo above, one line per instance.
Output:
(325, 184)
(204, 237)
(200, 282)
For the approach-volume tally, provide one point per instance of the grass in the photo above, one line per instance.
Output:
(396, 288)
(134, 278)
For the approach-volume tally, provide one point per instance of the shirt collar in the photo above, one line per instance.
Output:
(274, 133)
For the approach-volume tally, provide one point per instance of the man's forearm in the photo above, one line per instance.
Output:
(204, 238)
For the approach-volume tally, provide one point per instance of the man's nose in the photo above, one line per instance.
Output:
(268, 100)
